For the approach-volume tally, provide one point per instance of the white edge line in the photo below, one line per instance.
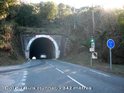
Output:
(76, 81)
(59, 70)
(100, 73)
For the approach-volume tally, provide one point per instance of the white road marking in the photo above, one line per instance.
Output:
(23, 80)
(23, 84)
(47, 67)
(59, 70)
(76, 81)
(100, 73)
(51, 65)
(24, 76)
(25, 73)
(74, 72)
(66, 70)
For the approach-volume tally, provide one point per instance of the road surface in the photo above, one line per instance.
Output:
(53, 76)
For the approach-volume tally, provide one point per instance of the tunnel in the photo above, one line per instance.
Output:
(42, 45)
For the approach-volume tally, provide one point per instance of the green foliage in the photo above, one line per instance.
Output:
(2, 44)
(120, 14)
(6, 37)
(25, 16)
(36, 15)
(51, 10)
(121, 19)
(47, 12)
(4, 7)
(75, 23)
(64, 10)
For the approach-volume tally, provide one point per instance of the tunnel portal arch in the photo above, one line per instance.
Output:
(50, 39)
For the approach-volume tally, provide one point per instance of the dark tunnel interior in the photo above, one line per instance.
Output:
(42, 46)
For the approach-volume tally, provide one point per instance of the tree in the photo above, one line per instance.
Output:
(4, 7)
(64, 10)
(121, 20)
(25, 16)
(47, 11)
(51, 10)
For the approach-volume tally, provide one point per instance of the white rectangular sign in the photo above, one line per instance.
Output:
(94, 55)
(91, 49)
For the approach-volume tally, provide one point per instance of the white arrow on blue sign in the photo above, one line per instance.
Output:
(110, 43)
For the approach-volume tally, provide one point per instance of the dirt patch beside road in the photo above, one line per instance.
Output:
(84, 59)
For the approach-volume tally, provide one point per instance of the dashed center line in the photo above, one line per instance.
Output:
(51, 65)
(72, 78)
(59, 70)
(76, 81)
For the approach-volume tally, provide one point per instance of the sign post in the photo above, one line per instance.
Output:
(110, 45)
(92, 50)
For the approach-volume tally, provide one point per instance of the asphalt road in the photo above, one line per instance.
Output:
(53, 76)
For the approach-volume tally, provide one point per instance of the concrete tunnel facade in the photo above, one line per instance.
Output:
(42, 45)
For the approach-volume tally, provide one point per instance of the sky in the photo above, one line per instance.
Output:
(81, 3)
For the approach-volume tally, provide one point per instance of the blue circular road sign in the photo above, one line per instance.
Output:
(110, 43)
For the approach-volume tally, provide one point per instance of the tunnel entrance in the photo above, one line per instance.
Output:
(42, 46)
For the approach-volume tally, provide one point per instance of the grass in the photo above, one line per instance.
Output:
(7, 60)
(84, 59)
